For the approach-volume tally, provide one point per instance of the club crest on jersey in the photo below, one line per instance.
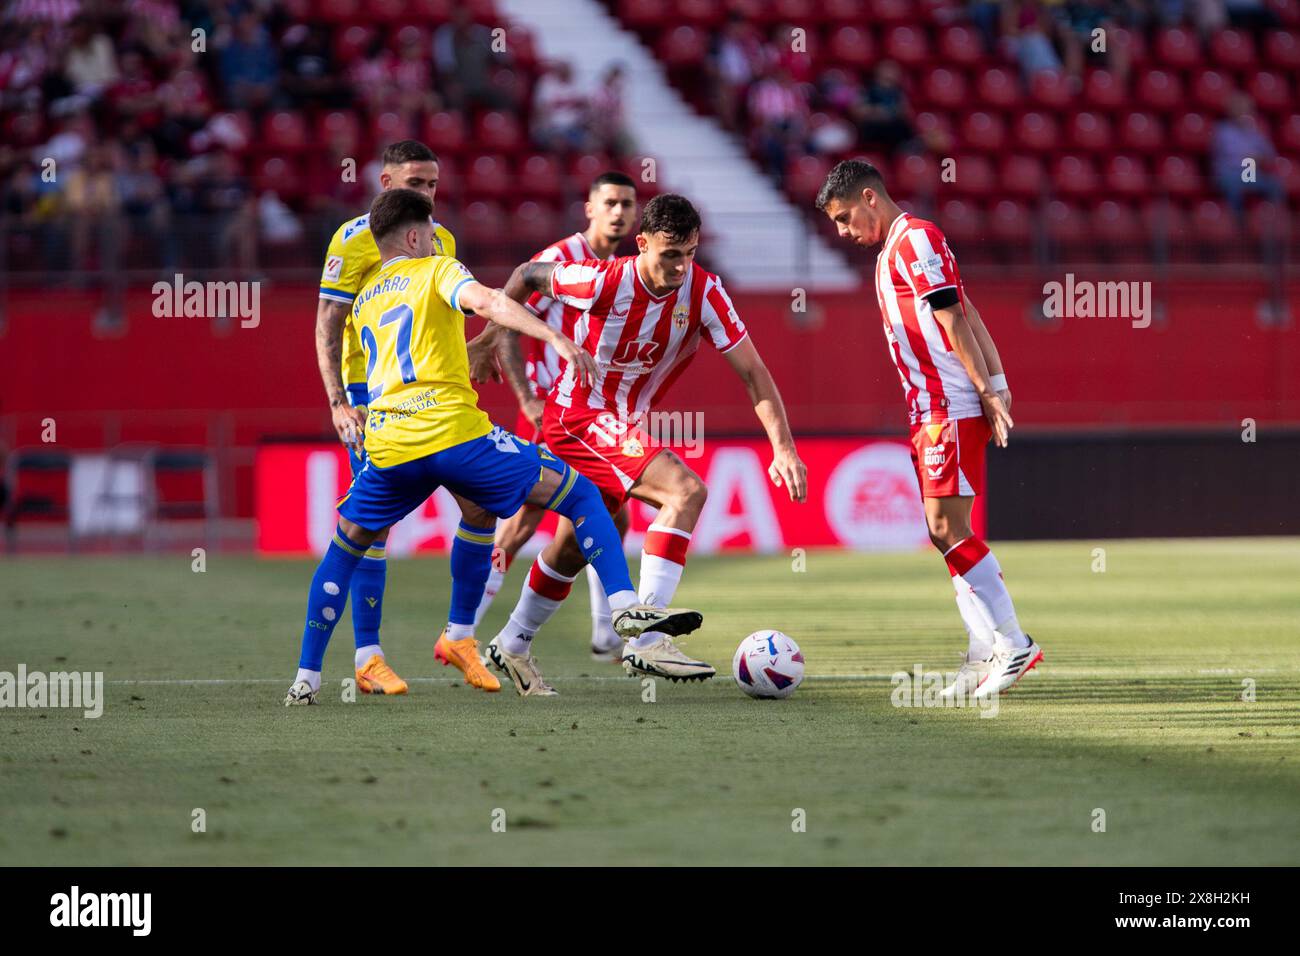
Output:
(681, 315)
(632, 448)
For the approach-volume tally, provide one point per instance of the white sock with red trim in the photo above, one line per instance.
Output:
(603, 636)
(971, 559)
(540, 598)
(979, 631)
(663, 559)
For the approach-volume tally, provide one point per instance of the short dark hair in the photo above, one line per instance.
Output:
(671, 214)
(847, 180)
(408, 151)
(395, 209)
(611, 177)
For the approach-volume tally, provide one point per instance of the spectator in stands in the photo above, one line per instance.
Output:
(90, 65)
(309, 71)
(463, 54)
(609, 120)
(561, 111)
(1250, 14)
(778, 116)
(1238, 138)
(882, 112)
(93, 204)
(1026, 28)
(225, 195)
(144, 201)
(738, 57)
(135, 95)
(249, 65)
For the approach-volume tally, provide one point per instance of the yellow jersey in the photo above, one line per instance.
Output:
(350, 262)
(412, 334)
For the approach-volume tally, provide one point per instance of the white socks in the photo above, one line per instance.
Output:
(602, 628)
(311, 677)
(989, 600)
(364, 654)
(494, 581)
(663, 559)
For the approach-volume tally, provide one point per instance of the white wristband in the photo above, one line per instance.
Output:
(998, 383)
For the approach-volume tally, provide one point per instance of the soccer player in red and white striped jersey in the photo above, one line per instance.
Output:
(643, 318)
(611, 213)
(957, 398)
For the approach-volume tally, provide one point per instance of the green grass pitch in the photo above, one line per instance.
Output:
(1137, 711)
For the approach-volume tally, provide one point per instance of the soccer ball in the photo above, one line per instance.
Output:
(768, 664)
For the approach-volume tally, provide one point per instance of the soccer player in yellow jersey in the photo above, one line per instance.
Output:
(351, 261)
(424, 430)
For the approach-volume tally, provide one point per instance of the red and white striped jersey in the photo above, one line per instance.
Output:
(914, 261)
(641, 342)
(542, 364)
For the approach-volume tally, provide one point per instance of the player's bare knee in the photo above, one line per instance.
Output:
(358, 535)
(690, 494)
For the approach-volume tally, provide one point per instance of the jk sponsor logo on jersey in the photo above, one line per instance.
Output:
(208, 300)
(75, 690)
(1081, 299)
(77, 909)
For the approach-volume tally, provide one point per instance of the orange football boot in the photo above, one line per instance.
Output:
(464, 654)
(378, 678)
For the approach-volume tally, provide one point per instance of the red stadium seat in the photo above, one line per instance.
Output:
(1267, 222)
(1050, 89)
(1164, 220)
(1065, 223)
(1283, 50)
(284, 130)
(409, 34)
(1288, 171)
(1130, 42)
(998, 89)
(644, 13)
(944, 88)
(351, 43)
(804, 177)
(682, 46)
(533, 223)
(1009, 221)
(1288, 134)
(1141, 132)
(1178, 47)
(445, 132)
(851, 46)
(796, 11)
(386, 11)
(701, 13)
(1179, 177)
(961, 221)
(540, 175)
(1211, 90)
(1271, 92)
(984, 131)
(1126, 176)
(390, 127)
(338, 11)
(1038, 132)
(1213, 223)
(973, 176)
(1192, 133)
(961, 45)
(586, 166)
(916, 175)
(843, 11)
(1115, 222)
(1090, 131)
(907, 45)
(1104, 89)
(340, 124)
(489, 177)
(1232, 49)
(1159, 90)
(1023, 176)
(484, 222)
(498, 132)
(274, 174)
(893, 12)
(1075, 176)
(1288, 12)
(523, 46)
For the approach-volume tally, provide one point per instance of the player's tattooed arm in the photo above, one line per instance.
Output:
(513, 368)
(349, 422)
(786, 468)
(498, 306)
(530, 277)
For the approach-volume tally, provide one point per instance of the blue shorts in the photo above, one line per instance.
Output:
(496, 472)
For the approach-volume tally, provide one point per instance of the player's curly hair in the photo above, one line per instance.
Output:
(847, 180)
(407, 151)
(671, 214)
(394, 209)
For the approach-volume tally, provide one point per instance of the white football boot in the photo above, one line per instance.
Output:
(638, 618)
(1008, 666)
(522, 669)
(663, 658)
(969, 676)
(300, 695)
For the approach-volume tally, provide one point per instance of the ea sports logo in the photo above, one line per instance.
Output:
(872, 502)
